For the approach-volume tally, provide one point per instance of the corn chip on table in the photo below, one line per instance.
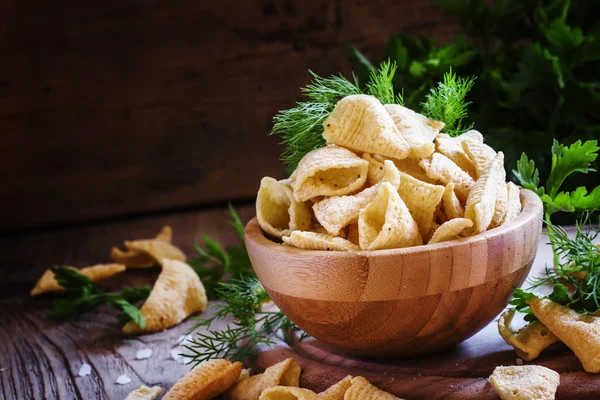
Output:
(40, 359)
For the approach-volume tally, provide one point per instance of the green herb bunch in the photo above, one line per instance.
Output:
(81, 295)
(537, 65)
(576, 259)
(252, 325)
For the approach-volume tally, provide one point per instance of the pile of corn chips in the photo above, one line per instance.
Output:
(387, 179)
(580, 332)
(279, 382)
(177, 292)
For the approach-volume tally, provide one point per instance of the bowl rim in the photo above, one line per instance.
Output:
(532, 207)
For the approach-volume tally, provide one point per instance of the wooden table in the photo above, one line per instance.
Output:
(40, 359)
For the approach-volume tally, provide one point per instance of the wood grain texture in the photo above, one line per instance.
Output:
(138, 105)
(401, 302)
(40, 360)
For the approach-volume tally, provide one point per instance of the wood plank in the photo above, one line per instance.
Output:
(130, 106)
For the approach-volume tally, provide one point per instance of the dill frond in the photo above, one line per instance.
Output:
(380, 82)
(447, 103)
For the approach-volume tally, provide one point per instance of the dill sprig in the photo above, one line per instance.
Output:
(301, 127)
(244, 300)
(447, 103)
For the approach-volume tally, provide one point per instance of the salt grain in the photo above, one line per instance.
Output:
(143, 354)
(123, 380)
(176, 354)
(85, 370)
(519, 361)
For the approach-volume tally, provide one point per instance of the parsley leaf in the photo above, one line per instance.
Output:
(567, 160)
(82, 296)
(528, 174)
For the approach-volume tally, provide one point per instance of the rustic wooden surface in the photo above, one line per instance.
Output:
(130, 106)
(40, 359)
(399, 302)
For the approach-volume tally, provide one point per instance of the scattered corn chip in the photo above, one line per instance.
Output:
(337, 391)
(205, 381)
(481, 155)
(157, 249)
(335, 213)
(580, 332)
(361, 389)
(450, 230)
(417, 130)
(329, 171)
(526, 382)
(422, 200)
(528, 341)
(285, 373)
(386, 222)
(288, 393)
(482, 199)
(177, 294)
(318, 241)
(452, 206)
(277, 210)
(144, 393)
(96, 273)
(134, 258)
(452, 148)
(514, 202)
(445, 170)
(361, 123)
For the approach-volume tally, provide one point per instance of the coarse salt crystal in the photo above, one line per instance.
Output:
(519, 361)
(85, 370)
(123, 380)
(176, 354)
(143, 354)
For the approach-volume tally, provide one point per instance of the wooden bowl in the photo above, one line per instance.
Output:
(400, 302)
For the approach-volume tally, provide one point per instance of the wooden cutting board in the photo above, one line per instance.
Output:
(459, 373)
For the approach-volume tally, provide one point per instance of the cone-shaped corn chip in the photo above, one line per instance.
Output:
(473, 135)
(205, 381)
(337, 391)
(96, 273)
(514, 202)
(450, 230)
(386, 223)
(177, 294)
(410, 166)
(329, 171)
(445, 170)
(361, 123)
(528, 341)
(384, 170)
(277, 210)
(361, 389)
(353, 233)
(138, 258)
(285, 373)
(335, 213)
(452, 206)
(501, 200)
(580, 332)
(417, 130)
(525, 382)
(481, 154)
(481, 203)
(422, 200)
(288, 393)
(144, 393)
(452, 148)
(318, 241)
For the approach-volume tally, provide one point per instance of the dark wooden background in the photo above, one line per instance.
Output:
(124, 107)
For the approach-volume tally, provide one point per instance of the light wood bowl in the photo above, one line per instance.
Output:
(400, 302)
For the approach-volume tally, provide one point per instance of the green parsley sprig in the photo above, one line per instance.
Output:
(577, 259)
(82, 296)
(244, 301)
